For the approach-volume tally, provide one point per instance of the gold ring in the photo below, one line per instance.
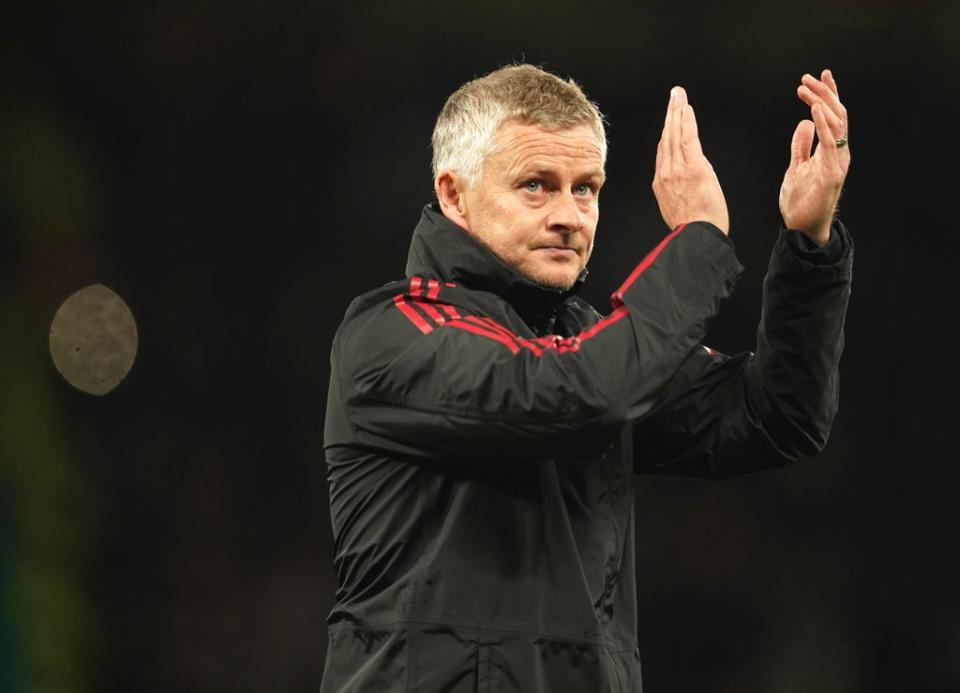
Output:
(842, 142)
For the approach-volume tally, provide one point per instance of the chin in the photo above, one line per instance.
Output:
(560, 281)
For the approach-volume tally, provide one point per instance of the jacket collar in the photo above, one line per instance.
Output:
(442, 249)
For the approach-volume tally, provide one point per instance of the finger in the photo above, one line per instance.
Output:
(827, 95)
(676, 123)
(827, 78)
(802, 143)
(823, 90)
(827, 147)
(668, 118)
(810, 97)
(837, 125)
(663, 148)
(689, 136)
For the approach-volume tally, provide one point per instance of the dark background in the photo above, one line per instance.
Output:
(237, 172)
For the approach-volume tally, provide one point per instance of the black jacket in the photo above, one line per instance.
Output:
(482, 433)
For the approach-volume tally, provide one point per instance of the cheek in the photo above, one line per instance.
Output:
(590, 243)
(518, 226)
(487, 218)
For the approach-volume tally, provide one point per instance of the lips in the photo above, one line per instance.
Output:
(559, 248)
(558, 254)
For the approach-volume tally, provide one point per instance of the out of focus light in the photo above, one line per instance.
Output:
(93, 340)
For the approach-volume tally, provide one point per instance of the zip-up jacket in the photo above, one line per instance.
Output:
(482, 434)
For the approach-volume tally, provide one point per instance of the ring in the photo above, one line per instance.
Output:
(842, 142)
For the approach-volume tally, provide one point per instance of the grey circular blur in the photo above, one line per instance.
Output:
(93, 340)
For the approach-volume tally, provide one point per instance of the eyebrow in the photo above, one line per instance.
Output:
(540, 172)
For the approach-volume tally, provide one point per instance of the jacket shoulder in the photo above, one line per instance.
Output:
(380, 324)
(372, 328)
(370, 300)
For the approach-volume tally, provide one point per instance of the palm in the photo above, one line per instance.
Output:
(812, 184)
(809, 193)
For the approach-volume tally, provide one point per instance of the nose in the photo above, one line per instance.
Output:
(566, 217)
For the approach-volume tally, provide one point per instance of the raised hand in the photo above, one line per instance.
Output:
(812, 184)
(684, 183)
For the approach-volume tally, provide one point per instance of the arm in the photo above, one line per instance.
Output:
(454, 389)
(723, 416)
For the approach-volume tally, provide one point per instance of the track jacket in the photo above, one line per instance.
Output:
(482, 433)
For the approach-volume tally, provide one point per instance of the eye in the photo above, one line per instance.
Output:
(583, 189)
(532, 186)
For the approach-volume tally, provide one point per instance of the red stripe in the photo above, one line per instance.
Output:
(470, 327)
(429, 310)
(491, 326)
(412, 315)
(566, 344)
(606, 322)
(572, 344)
(617, 297)
(508, 333)
(487, 327)
(561, 345)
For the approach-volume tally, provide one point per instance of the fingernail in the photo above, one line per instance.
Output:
(673, 92)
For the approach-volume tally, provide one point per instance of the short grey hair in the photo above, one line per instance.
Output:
(468, 123)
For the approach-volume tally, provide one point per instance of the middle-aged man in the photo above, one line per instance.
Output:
(484, 424)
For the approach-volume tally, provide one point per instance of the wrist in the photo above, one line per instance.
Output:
(720, 222)
(821, 236)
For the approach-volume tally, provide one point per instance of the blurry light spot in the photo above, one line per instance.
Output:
(93, 340)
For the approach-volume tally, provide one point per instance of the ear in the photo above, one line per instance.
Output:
(450, 192)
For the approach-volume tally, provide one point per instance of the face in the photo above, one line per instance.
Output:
(536, 204)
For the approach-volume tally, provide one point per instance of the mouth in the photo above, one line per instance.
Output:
(559, 251)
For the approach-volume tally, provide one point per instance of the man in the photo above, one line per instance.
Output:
(484, 423)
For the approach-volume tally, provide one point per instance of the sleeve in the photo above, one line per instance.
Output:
(458, 387)
(722, 416)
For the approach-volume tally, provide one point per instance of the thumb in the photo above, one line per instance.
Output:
(802, 142)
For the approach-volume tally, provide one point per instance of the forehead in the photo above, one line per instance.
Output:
(519, 146)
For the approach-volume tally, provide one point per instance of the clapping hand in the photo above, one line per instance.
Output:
(685, 184)
(811, 186)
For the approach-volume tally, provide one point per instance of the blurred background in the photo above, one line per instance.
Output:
(237, 172)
